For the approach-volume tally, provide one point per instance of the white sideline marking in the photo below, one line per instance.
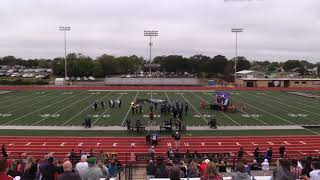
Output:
(270, 113)
(84, 110)
(295, 101)
(30, 100)
(55, 113)
(38, 110)
(134, 99)
(293, 107)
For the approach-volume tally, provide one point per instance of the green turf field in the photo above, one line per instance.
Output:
(69, 108)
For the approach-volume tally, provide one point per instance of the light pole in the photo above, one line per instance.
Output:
(64, 29)
(236, 30)
(150, 33)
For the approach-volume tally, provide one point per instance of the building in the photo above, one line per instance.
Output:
(279, 82)
(249, 74)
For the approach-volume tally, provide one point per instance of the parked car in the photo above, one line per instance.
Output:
(40, 76)
(14, 75)
(128, 76)
(85, 78)
(78, 78)
(91, 78)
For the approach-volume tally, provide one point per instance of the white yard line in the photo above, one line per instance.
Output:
(14, 99)
(194, 108)
(26, 100)
(106, 110)
(86, 97)
(283, 119)
(294, 101)
(219, 111)
(129, 109)
(84, 110)
(38, 110)
(318, 114)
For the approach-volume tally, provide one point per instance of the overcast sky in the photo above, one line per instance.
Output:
(273, 29)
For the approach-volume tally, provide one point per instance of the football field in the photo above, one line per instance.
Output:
(70, 108)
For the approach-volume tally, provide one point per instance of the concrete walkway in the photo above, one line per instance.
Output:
(119, 128)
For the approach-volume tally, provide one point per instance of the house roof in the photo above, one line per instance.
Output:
(244, 72)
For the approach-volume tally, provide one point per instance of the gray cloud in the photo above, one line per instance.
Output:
(273, 30)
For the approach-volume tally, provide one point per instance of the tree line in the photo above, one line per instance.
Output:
(201, 65)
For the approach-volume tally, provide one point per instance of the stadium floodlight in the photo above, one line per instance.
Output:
(236, 30)
(150, 33)
(64, 29)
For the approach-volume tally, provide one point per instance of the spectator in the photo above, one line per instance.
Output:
(170, 153)
(282, 172)
(151, 169)
(255, 165)
(82, 165)
(222, 166)
(307, 167)
(162, 171)
(193, 170)
(151, 152)
(177, 156)
(211, 173)
(104, 169)
(315, 173)
(268, 154)
(177, 138)
(240, 154)
(72, 156)
(102, 156)
(295, 170)
(4, 151)
(265, 165)
(92, 172)
(183, 169)
(256, 153)
(175, 173)
(3, 170)
(203, 167)
(148, 139)
(282, 151)
(248, 168)
(48, 170)
(241, 173)
(68, 174)
(113, 169)
(30, 170)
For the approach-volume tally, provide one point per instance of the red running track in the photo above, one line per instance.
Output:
(126, 147)
(195, 88)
